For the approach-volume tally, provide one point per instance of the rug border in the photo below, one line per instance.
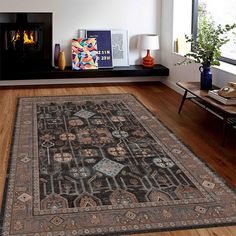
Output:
(216, 225)
(190, 149)
(9, 160)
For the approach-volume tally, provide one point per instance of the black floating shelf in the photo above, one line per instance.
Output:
(130, 71)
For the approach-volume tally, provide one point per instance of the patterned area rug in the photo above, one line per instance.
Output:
(103, 164)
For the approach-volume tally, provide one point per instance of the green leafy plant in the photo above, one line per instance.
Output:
(210, 38)
(234, 33)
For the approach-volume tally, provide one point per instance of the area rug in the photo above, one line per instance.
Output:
(103, 164)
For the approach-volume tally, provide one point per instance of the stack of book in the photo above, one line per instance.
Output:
(226, 101)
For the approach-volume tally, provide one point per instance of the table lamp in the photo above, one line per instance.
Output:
(148, 42)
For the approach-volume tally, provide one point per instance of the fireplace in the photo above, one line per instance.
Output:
(25, 45)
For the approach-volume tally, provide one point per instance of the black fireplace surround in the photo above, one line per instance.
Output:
(25, 43)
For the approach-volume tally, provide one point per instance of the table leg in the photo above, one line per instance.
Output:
(182, 102)
(225, 118)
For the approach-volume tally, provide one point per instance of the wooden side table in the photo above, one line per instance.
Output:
(225, 112)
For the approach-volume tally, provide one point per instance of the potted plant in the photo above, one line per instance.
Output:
(206, 47)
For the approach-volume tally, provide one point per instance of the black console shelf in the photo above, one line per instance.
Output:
(131, 71)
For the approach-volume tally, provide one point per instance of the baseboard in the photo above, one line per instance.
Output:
(78, 81)
(173, 85)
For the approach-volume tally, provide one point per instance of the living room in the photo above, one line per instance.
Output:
(112, 155)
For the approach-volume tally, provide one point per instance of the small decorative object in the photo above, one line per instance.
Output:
(56, 54)
(206, 77)
(228, 91)
(148, 42)
(181, 46)
(82, 33)
(84, 54)
(206, 48)
(61, 61)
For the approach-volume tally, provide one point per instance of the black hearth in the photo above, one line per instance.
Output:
(25, 44)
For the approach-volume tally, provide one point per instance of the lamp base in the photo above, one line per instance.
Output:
(148, 61)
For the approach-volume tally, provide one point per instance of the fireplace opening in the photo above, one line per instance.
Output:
(28, 37)
(25, 44)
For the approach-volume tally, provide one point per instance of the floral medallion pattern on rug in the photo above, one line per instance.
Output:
(103, 164)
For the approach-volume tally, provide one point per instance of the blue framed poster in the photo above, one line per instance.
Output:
(104, 47)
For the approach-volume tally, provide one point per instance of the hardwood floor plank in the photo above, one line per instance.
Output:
(199, 130)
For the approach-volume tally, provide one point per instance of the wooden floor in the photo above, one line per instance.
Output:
(198, 129)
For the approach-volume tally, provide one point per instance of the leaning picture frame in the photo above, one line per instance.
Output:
(104, 46)
(120, 47)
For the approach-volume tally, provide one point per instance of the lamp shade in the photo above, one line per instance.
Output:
(148, 42)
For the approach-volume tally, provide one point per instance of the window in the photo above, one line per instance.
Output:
(222, 12)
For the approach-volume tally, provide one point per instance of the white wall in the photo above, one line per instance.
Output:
(182, 15)
(169, 29)
(137, 16)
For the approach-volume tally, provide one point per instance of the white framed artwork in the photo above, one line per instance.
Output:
(120, 47)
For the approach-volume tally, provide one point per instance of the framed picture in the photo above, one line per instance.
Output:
(104, 46)
(84, 54)
(120, 47)
(82, 33)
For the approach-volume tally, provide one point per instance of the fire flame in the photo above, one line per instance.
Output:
(28, 37)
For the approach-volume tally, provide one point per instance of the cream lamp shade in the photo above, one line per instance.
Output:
(148, 42)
